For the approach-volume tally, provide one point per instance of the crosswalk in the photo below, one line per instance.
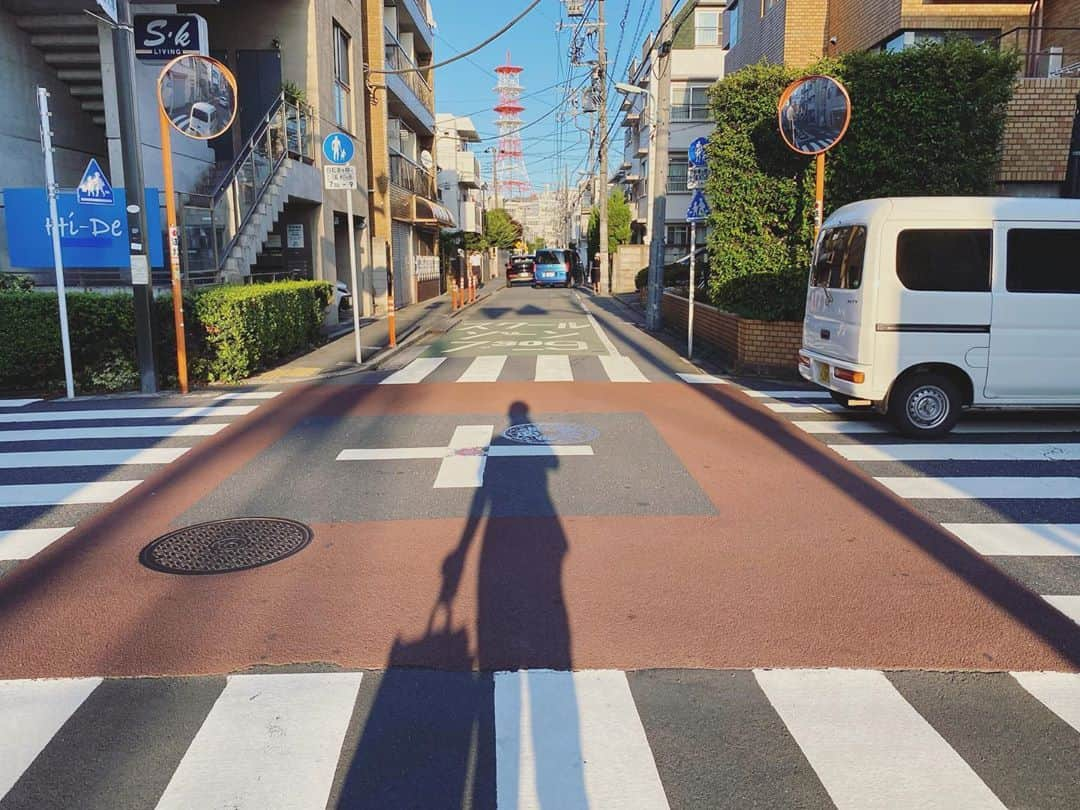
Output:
(1008, 486)
(616, 368)
(644, 740)
(62, 461)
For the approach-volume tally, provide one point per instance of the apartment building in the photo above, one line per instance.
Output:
(697, 61)
(251, 203)
(460, 180)
(406, 215)
(1046, 32)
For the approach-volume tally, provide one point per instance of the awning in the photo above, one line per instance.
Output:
(432, 212)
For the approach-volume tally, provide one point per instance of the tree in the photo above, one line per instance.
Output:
(618, 224)
(535, 245)
(500, 229)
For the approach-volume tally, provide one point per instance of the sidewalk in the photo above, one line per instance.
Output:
(339, 355)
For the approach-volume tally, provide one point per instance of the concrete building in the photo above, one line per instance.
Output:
(696, 62)
(459, 175)
(251, 203)
(542, 215)
(406, 216)
(1047, 33)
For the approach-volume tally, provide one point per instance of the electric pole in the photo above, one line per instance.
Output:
(658, 189)
(123, 36)
(601, 75)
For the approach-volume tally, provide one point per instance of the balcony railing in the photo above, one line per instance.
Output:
(411, 177)
(1048, 52)
(397, 59)
(689, 112)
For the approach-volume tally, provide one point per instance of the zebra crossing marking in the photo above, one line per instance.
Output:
(485, 368)
(17, 403)
(31, 713)
(22, 544)
(64, 494)
(983, 488)
(851, 427)
(269, 741)
(795, 394)
(947, 451)
(1069, 604)
(246, 395)
(553, 368)
(113, 432)
(193, 412)
(414, 372)
(1057, 691)
(1020, 539)
(572, 740)
(90, 458)
(703, 379)
(896, 759)
(621, 369)
(798, 407)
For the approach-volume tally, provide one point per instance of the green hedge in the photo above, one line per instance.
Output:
(925, 121)
(674, 274)
(231, 333)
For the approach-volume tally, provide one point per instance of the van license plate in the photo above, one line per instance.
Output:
(823, 373)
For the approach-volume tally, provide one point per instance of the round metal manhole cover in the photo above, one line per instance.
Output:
(551, 433)
(221, 546)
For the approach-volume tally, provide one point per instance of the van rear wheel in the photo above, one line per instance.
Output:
(925, 406)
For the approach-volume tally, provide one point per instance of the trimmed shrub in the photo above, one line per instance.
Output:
(674, 275)
(248, 327)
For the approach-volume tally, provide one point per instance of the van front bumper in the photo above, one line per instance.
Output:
(836, 375)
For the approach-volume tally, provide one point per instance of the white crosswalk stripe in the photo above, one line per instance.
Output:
(40, 498)
(553, 368)
(798, 394)
(616, 368)
(484, 369)
(621, 369)
(570, 740)
(17, 403)
(989, 468)
(415, 372)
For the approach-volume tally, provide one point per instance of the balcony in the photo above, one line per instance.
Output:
(1048, 53)
(411, 90)
(468, 169)
(417, 18)
(411, 177)
(471, 217)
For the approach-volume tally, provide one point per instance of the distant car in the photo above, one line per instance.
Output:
(342, 299)
(553, 268)
(520, 268)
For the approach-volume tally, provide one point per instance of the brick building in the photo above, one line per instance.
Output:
(1047, 33)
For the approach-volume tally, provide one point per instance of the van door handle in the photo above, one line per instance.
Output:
(825, 334)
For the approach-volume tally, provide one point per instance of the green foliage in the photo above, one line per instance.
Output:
(102, 328)
(249, 326)
(14, 281)
(535, 245)
(618, 224)
(674, 275)
(926, 121)
(500, 229)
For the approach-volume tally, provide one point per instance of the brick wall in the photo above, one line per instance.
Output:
(756, 347)
(804, 31)
(1061, 14)
(1038, 129)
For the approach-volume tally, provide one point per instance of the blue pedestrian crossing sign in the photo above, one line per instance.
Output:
(699, 208)
(338, 149)
(94, 188)
(696, 153)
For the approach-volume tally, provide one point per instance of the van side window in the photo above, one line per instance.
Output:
(839, 260)
(1043, 260)
(956, 260)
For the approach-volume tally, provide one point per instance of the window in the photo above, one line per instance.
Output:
(689, 102)
(733, 25)
(707, 28)
(677, 235)
(838, 261)
(677, 174)
(1042, 260)
(341, 78)
(910, 38)
(944, 260)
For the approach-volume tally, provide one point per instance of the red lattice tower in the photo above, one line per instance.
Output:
(513, 179)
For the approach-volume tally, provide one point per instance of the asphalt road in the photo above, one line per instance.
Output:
(552, 565)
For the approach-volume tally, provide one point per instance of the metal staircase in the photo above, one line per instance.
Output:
(69, 44)
(224, 230)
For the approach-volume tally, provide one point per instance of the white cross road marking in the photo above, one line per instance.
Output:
(1057, 691)
(1020, 539)
(248, 395)
(416, 371)
(484, 369)
(797, 394)
(958, 452)
(22, 544)
(17, 403)
(703, 379)
(553, 368)
(465, 458)
(1069, 604)
(792, 407)
(621, 369)
(90, 458)
(126, 432)
(127, 413)
(983, 488)
(63, 494)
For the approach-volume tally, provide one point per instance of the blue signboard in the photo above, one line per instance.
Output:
(94, 188)
(695, 155)
(90, 236)
(338, 149)
(699, 208)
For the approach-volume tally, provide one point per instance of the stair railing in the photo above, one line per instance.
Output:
(212, 223)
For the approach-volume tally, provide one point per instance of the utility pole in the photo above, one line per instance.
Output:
(658, 189)
(139, 237)
(601, 74)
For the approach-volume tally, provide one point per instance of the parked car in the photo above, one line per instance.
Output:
(925, 306)
(553, 267)
(203, 120)
(342, 300)
(520, 268)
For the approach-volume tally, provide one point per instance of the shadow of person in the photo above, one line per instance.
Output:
(431, 736)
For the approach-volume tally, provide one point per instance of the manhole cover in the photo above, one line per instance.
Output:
(551, 433)
(221, 546)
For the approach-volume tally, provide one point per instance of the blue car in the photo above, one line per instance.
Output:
(552, 268)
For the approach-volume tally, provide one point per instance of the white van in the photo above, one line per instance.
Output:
(927, 305)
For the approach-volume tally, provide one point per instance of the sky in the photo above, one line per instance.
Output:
(558, 143)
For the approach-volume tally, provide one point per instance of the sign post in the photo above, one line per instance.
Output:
(54, 227)
(697, 212)
(339, 173)
(202, 105)
(813, 114)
